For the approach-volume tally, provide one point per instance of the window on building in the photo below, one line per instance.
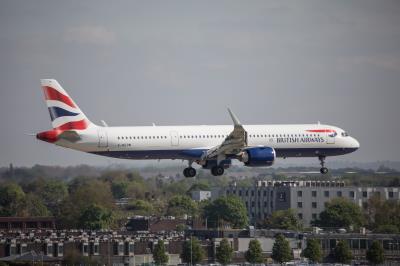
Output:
(339, 193)
(299, 193)
(240, 193)
(314, 205)
(300, 215)
(365, 194)
(314, 193)
(351, 194)
(326, 193)
(314, 216)
(391, 194)
(265, 203)
(252, 193)
(253, 204)
(265, 193)
(299, 204)
(247, 192)
(259, 193)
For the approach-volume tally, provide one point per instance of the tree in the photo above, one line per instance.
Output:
(230, 209)
(340, 212)
(95, 217)
(85, 194)
(224, 252)
(11, 199)
(342, 253)
(375, 253)
(192, 251)
(281, 251)
(180, 205)
(160, 255)
(284, 219)
(313, 250)
(254, 252)
(32, 206)
(383, 215)
(141, 207)
(119, 189)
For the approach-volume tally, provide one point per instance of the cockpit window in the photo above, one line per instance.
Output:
(344, 134)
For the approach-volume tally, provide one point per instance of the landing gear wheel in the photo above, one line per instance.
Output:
(189, 172)
(217, 170)
(324, 170)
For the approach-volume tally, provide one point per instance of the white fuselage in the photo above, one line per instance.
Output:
(188, 142)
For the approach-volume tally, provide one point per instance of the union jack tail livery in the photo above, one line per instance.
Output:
(64, 112)
(66, 117)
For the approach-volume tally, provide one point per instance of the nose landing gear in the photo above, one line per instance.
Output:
(323, 169)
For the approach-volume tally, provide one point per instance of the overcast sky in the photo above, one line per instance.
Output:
(182, 62)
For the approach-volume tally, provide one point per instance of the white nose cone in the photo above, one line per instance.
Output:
(354, 143)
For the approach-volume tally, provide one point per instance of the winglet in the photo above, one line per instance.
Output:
(235, 120)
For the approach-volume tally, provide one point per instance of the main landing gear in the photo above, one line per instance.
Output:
(217, 170)
(189, 172)
(323, 169)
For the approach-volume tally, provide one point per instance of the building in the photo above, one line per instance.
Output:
(307, 198)
(199, 195)
(27, 223)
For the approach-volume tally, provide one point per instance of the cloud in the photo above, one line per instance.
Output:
(97, 35)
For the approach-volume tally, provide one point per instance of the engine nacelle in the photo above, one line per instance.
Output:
(258, 156)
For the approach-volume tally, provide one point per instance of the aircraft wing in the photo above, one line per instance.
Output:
(232, 144)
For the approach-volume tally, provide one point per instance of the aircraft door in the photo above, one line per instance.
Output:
(330, 137)
(174, 138)
(103, 139)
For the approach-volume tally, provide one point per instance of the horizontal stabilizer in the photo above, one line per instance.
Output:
(70, 135)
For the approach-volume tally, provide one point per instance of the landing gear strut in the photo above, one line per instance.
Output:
(217, 170)
(323, 169)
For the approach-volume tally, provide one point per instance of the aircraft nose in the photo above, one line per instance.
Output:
(354, 143)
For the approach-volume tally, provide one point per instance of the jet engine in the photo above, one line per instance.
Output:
(258, 156)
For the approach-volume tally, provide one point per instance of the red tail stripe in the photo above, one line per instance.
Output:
(79, 125)
(52, 94)
(321, 130)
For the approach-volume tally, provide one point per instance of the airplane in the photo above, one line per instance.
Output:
(212, 147)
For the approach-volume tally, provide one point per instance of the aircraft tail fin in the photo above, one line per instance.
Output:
(65, 114)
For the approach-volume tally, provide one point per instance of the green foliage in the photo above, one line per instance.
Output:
(254, 252)
(224, 252)
(342, 253)
(181, 205)
(229, 209)
(375, 253)
(33, 206)
(141, 207)
(201, 185)
(160, 255)
(95, 217)
(383, 215)
(340, 212)
(11, 198)
(284, 219)
(119, 189)
(387, 229)
(313, 251)
(281, 251)
(85, 194)
(192, 251)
